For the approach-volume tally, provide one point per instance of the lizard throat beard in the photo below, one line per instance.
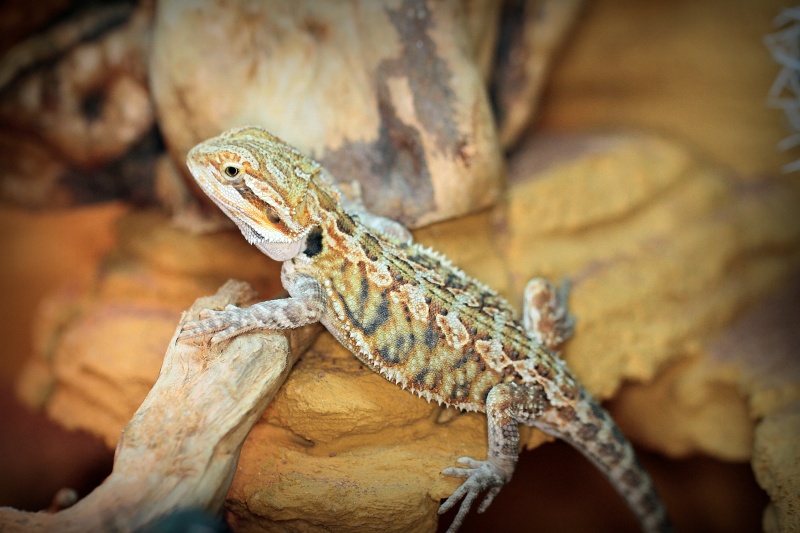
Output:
(282, 251)
(278, 251)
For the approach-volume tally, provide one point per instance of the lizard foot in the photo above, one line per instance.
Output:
(480, 476)
(225, 324)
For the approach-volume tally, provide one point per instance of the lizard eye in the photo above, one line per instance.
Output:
(231, 171)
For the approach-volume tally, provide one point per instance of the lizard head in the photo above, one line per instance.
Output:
(259, 181)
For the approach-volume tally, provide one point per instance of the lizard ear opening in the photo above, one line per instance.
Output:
(273, 215)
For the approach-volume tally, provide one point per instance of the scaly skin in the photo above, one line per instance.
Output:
(409, 314)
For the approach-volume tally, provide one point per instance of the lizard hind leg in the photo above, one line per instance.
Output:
(546, 317)
(506, 404)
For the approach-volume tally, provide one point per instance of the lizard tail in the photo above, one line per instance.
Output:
(596, 436)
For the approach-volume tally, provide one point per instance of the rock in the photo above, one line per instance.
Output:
(75, 102)
(775, 463)
(697, 72)
(395, 95)
(392, 95)
(531, 35)
(322, 459)
(759, 352)
(662, 250)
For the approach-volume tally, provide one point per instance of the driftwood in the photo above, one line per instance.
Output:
(181, 448)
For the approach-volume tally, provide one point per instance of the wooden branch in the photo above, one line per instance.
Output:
(181, 447)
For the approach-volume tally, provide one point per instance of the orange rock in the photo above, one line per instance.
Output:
(664, 252)
(696, 71)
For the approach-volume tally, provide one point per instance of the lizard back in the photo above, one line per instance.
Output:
(409, 313)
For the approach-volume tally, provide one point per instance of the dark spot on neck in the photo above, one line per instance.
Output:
(313, 242)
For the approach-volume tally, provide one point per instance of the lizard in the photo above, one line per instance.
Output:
(411, 315)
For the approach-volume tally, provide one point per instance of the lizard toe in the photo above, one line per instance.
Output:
(480, 476)
(469, 462)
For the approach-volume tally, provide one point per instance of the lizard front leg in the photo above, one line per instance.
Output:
(306, 305)
(506, 405)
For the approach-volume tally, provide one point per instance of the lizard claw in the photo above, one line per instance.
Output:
(480, 476)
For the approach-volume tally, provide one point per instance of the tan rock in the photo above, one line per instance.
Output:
(664, 252)
(696, 71)
(715, 401)
(342, 449)
(532, 35)
(777, 466)
(390, 94)
(691, 407)
(322, 459)
(760, 350)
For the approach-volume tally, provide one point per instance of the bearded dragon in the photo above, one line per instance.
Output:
(409, 314)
